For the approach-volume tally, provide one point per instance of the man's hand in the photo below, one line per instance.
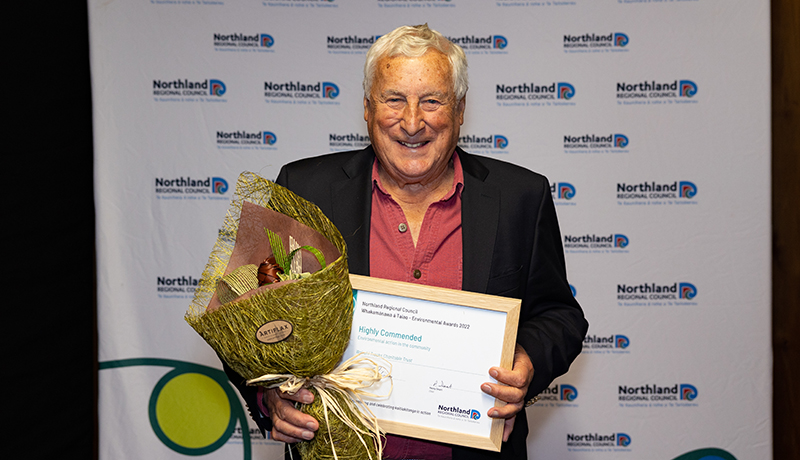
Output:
(288, 423)
(512, 387)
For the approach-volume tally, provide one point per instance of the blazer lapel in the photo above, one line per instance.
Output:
(480, 210)
(352, 208)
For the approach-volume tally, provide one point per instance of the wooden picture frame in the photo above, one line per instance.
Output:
(503, 335)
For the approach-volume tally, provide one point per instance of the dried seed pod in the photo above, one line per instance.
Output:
(268, 271)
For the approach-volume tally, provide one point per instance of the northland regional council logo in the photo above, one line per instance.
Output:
(653, 92)
(490, 143)
(656, 193)
(349, 141)
(596, 143)
(593, 243)
(484, 44)
(563, 193)
(240, 139)
(596, 43)
(295, 92)
(560, 395)
(596, 442)
(350, 44)
(531, 94)
(682, 394)
(656, 295)
(189, 188)
(615, 343)
(244, 42)
(188, 90)
(179, 287)
(457, 412)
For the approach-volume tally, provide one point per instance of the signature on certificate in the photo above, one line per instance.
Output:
(440, 385)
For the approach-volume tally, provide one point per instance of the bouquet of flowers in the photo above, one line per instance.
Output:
(275, 303)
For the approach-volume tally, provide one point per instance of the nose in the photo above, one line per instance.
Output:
(413, 120)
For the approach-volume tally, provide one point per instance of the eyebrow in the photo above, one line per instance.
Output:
(436, 94)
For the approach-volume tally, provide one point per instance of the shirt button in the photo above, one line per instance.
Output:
(402, 227)
(417, 273)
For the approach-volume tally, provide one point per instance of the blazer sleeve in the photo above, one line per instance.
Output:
(250, 395)
(552, 325)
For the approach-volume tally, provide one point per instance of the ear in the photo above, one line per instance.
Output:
(366, 109)
(462, 105)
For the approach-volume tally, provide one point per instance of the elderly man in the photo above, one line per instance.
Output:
(414, 207)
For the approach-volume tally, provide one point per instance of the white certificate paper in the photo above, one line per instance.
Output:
(440, 352)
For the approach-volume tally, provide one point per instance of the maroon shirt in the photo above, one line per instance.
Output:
(436, 261)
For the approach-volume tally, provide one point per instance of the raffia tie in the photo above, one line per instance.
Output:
(350, 379)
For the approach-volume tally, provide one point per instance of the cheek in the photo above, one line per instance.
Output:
(442, 122)
(387, 120)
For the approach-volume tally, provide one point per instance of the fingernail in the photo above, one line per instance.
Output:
(493, 373)
(310, 426)
(307, 435)
(308, 399)
(486, 389)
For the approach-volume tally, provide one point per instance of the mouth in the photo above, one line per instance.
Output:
(412, 145)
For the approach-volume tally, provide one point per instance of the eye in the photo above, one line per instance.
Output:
(431, 104)
(394, 102)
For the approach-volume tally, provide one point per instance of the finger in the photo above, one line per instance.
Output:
(506, 411)
(284, 431)
(509, 394)
(508, 427)
(288, 423)
(302, 396)
(517, 377)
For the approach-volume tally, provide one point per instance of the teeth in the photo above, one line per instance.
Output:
(413, 146)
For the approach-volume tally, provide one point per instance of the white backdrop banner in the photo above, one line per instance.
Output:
(649, 117)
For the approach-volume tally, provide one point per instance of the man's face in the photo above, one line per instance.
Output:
(413, 117)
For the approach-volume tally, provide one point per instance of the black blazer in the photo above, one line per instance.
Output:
(511, 247)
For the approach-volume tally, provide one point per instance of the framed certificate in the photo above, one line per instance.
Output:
(441, 344)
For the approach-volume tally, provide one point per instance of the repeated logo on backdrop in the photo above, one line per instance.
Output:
(246, 140)
(350, 44)
(481, 44)
(297, 92)
(176, 287)
(596, 143)
(593, 243)
(606, 344)
(191, 188)
(656, 92)
(656, 294)
(530, 94)
(652, 193)
(244, 42)
(484, 144)
(347, 141)
(596, 43)
(597, 442)
(563, 193)
(654, 395)
(186, 90)
(558, 395)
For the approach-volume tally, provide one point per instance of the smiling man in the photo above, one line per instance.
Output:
(414, 207)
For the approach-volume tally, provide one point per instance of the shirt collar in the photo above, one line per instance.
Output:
(458, 178)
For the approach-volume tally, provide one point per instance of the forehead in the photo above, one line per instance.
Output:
(431, 70)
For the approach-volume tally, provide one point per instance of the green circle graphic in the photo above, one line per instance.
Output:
(175, 407)
(193, 409)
